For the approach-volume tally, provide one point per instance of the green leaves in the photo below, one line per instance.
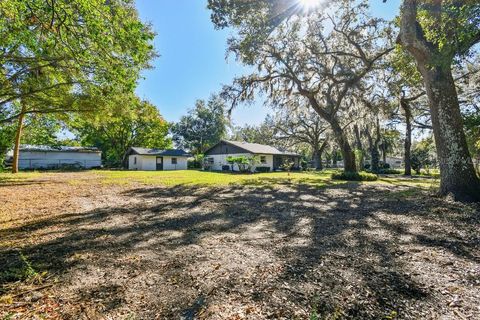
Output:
(71, 44)
(202, 127)
(128, 122)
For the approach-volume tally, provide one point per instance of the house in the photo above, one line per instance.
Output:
(156, 160)
(394, 162)
(46, 157)
(268, 156)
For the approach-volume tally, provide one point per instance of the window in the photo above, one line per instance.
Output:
(174, 160)
(263, 159)
(134, 160)
(210, 160)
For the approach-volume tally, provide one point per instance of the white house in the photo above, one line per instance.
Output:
(155, 160)
(45, 157)
(268, 156)
(395, 162)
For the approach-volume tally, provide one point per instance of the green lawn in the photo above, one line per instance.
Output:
(196, 177)
(202, 178)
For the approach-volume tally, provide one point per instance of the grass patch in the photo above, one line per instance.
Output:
(204, 178)
(22, 271)
(354, 176)
(7, 178)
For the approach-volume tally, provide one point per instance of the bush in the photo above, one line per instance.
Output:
(390, 171)
(262, 169)
(226, 168)
(196, 162)
(354, 176)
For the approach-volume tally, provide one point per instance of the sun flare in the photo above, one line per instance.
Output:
(310, 4)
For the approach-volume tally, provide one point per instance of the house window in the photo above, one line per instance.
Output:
(210, 160)
(174, 160)
(263, 159)
(134, 160)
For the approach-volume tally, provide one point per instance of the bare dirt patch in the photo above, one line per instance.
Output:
(354, 251)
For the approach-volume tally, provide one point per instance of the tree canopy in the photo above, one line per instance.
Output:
(129, 123)
(202, 127)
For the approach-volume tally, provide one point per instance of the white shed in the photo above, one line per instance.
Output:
(45, 157)
(156, 160)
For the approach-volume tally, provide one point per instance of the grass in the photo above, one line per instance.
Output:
(8, 178)
(354, 176)
(202, 178)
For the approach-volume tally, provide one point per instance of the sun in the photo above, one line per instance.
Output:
(310, 4)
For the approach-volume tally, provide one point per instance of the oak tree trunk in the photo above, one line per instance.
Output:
(408, 137)
(18, 138)
(316, 157)
(359, 146)
(348, 155)
(458, 176)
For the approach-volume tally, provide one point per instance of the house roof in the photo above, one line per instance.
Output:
(257, 148)
(158, 152)
(41, 148)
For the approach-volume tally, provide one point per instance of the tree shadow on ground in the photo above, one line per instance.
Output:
(341, 250)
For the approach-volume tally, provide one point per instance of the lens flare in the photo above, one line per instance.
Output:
(310, 4)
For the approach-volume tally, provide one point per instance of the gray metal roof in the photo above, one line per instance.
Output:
(41, 148)
(158, 152)
(260, 148)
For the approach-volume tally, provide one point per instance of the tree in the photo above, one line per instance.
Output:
(303, 126)
(56, 55)
(436, 34)
(423, 155)
(302, 58)
(130, 122)
(202, 127)
(373, 143)
(264, 133)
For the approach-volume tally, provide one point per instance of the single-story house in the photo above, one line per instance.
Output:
(156, 160)
(395, 162)
(268, 156)
(46, 157)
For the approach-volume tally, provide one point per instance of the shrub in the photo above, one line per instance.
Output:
(390, 171)
(245, 164)
(354, 176)
(196, 162)
(226, 168)
(262, 169)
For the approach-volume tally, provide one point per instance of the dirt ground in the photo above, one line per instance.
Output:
(90, 250)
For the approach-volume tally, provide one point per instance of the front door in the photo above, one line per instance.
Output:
(159, 163)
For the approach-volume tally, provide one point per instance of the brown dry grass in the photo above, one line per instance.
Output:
(72, 247)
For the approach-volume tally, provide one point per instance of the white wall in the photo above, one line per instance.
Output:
(220, 160)
(39, 159)
(395, 163)
(132, 165)
(149, 163)
(181, 163)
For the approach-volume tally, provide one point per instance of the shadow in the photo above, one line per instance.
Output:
(342, 248)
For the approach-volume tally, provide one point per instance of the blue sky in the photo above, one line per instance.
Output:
(193, 61)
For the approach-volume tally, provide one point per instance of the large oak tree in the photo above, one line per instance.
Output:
(320, 58)
(54, 54)
(437, 33)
